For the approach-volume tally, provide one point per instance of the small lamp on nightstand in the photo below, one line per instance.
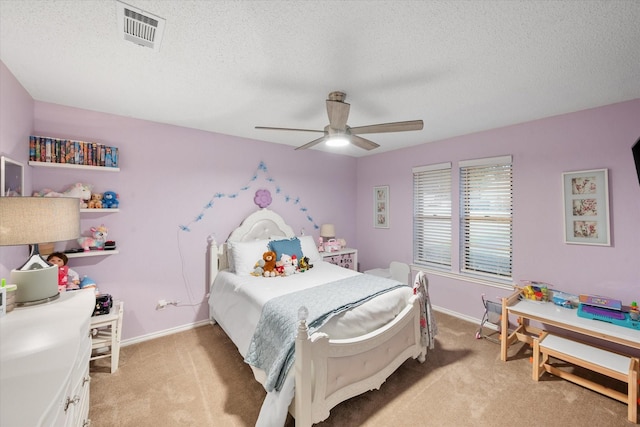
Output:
(327, 231)
(30, 221)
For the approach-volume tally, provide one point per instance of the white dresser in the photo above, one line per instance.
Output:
(44, 362)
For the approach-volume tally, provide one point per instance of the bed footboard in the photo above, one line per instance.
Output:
(328, 372)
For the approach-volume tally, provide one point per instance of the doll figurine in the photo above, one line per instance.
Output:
(68, 279)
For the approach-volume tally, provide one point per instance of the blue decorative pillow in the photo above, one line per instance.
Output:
(288, 246)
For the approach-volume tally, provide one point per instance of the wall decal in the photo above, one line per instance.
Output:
(260, 197)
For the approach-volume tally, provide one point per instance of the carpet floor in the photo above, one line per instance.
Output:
(198, 378)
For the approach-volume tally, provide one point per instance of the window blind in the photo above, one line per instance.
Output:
(432, 215)
(486, 205)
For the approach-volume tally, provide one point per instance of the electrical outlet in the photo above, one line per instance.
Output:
(161, 304)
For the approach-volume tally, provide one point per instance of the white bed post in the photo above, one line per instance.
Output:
(213, 258)
(303, 372)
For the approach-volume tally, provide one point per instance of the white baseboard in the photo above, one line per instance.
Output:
(165, 332)
(186, 327)
(464, 317)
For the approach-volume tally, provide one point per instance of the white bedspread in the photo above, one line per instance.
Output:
(235, 303)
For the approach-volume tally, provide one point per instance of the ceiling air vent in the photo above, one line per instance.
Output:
(140, 27)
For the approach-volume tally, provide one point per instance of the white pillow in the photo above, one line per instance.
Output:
(244, 255)
(309, 249)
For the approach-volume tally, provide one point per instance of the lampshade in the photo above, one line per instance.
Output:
(33, 220)
(327, 230)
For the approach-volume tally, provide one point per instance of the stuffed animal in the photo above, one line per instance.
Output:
(304, 264)
(258, 268)
(287, 264)
(110, 200)
(77, 190)
(269, 266)
(96, 201)
(97, 239)
(89, 283)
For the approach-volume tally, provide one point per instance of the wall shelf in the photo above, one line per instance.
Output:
(103, 210)
(72, 166)
(92, 253)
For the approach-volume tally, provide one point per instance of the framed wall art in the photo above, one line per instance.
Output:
(586, 207)
(381, 206)
(11, 177)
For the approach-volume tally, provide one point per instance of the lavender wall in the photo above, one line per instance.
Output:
(16, 122)
(168, 174)
(542, 150)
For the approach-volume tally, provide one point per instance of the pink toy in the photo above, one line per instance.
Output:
(97, 239)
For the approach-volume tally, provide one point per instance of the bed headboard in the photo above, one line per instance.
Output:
(260, 225)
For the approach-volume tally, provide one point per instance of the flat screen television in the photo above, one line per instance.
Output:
(636, 156)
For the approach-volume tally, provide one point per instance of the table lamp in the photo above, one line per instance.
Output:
(33, 220)
(327, 231)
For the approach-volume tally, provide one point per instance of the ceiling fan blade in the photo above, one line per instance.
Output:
(389, 127)
(297, 130)
(310, 144)
(338, 113)
(363, 143)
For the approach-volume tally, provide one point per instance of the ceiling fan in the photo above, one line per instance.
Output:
(337, 132)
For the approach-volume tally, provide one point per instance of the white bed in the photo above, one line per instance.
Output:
(352, 353)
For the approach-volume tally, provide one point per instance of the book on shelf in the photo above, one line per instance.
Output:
(56, 150)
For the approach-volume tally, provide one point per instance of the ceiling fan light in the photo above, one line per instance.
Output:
(338, 141)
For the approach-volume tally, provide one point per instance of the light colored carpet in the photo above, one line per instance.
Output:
(198, 378)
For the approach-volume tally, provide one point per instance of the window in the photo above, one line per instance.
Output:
(486, 206)
(432, 215)
(485, 218)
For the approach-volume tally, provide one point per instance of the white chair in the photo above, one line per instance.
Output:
(106, 333)
(397, 270)
(400, 271)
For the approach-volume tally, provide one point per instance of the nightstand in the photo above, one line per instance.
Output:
(347, 258)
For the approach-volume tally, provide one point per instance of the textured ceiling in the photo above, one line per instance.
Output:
(227, 66)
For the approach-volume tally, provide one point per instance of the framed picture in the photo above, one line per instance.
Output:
(586, 207)
(381, 206)
(11, 177)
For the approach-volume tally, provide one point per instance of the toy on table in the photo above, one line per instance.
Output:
(96, 240)
(634, 311)
(536, 291)
(68, 279)
(320, 244)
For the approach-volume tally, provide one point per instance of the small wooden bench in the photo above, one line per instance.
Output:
(605, 362)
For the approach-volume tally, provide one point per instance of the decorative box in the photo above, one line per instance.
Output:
(331, 245)
(103, 305)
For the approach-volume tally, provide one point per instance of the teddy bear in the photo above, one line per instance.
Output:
(96, 201)
(110, 200)
(269, 266)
